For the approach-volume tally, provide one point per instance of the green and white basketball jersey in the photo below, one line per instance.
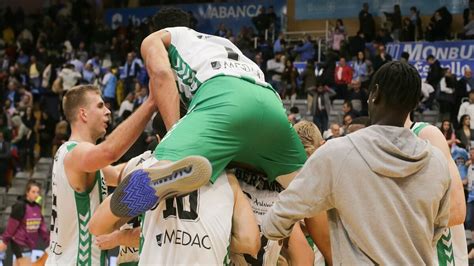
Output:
(71, 243)
(261, 195)
(194, 229)
(196, 57)
(451, 248)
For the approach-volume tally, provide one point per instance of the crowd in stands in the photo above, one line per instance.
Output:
(43, 56)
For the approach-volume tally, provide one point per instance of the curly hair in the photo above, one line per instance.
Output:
(309, 135)
(170, 17)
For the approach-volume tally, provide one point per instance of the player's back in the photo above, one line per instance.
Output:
(192, 229)
(197, 57)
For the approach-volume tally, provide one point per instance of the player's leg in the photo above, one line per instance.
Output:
(209, 130)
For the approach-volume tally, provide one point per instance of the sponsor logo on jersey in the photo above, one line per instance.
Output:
(177, 174)
(183, 238)
(216, 65)
(56, 248)
(258, 181)
(238, 65)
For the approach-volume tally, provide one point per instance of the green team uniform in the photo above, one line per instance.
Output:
(451, 247)
(233, 114)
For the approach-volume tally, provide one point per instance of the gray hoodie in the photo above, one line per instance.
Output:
(386, 192)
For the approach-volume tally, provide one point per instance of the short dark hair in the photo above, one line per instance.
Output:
(294, 110)
(430, 57)
(170, 17)
(405, 55)
(349, 104)
(399, 85)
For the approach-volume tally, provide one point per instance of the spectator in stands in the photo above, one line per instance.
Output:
(109, 85)
(258, 59)
(261, 21)
(407, 31)
(465, 133)
(342, 78)
(81, 52)
(131, 70)
(26, 99)
(12, 94)
(357, 43)
(21, 140)
(383, 36)
(461, 157)
(447, 129)
(321, 106)
(440, 25)
(126, 105)
(348, 109)
(346, 121)
(29, 119)
(337, 38)
(61, 135)
(280, 44)
(396, 19)
(362, 69)
(381, 58)
(221, 31)
(25, 226)
(366, 23)
(69, 77)
(7, 134)
(335, 131)
(140, 97)
(446, 97)
(435, 73)
(340, 26)
(46, 134)
(88, 74)
(308, 76)
(272, 18)
(464, 85)
(306, 50)
(34, 71)
(5, 159)
(289, 76)
(275, 68)
(358, 97)
(468, 30)
(467, 108)
(294, 116)
(416, 21)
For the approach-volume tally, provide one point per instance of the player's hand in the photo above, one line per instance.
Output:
(109, 241)
(3, 246)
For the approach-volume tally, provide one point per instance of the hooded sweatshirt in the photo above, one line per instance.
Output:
(26, 224)
(386, 192)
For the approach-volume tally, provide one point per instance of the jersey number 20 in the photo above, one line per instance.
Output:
(191, 214)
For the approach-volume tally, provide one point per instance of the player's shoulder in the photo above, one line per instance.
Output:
(429, 132)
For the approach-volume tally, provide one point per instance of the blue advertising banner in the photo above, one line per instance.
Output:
(334, 9)
(457, 66)
(209, 15)
(457, 55)
(443, 50)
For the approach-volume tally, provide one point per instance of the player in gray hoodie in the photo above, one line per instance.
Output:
(386, 191)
